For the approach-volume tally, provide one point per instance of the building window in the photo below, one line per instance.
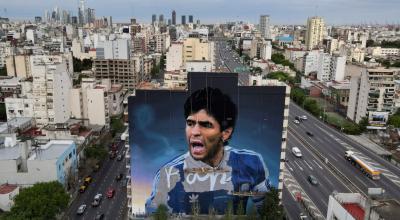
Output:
(70, 155)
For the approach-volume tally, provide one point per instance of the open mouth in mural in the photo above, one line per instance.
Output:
(197, 147)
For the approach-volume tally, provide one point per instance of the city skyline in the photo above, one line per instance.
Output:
(287, 12)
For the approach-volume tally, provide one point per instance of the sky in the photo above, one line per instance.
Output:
(220, 11)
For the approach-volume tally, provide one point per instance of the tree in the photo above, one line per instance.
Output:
(312, 106)
(394, 120)
(298, 95)
(351, 128)
(271, 208)
(363, 124)
(79, 65)
(3, 113)
(161, 213)
(41, 201)
(98, 152)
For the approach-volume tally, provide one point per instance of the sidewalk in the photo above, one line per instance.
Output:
(366, 142)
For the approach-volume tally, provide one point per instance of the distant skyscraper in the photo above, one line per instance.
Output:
(161, 19)
(190, 19)
(173, 17)
(198, 22)
(315, 32)
(38, 19)
(133, 20)
(183, 19)
(153, 19)
(169, 22)
(264, 26)
(82, 12)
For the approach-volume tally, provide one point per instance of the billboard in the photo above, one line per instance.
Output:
(377, 120)
(202, 149)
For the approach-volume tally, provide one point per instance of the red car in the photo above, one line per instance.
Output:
(110, 192)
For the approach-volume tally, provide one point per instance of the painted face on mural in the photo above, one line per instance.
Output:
(205, 138)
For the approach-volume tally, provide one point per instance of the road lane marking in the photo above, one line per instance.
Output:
(298, 165)
(318, 165)
(308, 165)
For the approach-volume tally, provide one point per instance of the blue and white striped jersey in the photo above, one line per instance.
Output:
(184, 182)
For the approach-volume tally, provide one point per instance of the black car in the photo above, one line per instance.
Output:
(309, 133)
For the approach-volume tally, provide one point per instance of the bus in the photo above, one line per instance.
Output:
(365, 168)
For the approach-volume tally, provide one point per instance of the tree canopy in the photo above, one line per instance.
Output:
(41, 201)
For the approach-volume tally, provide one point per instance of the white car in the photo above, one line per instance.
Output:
(296, 121)
(81, 209)
(304, 117)
(296, 151)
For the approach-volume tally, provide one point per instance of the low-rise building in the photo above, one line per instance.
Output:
(25, 164)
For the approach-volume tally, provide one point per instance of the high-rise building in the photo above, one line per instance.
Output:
(173, 17)
(153, 18)
(190, 19)
(82, 12)
(169, 22)
(315, 32)
(183, 21)
(264, 26)
(372, 91)
(161, 19)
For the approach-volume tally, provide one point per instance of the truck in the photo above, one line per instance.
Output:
(365, 168)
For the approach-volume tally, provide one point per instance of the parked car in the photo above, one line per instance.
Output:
(81, 209)
(110, 192)
(296, 151)
(296, 121)
(313, 180)
(119, 157)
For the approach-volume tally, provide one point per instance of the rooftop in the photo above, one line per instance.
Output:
(388, 210)
(9, 153)
(52, 150)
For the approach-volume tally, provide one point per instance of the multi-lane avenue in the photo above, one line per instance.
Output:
(322, 154)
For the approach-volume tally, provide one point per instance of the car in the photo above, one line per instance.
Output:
(119, 177)
(99, 216)
(313, 180)
(81, 209)
(82, 188)
(304, 117)
(110, 192)
(87, 180)
(309, 133)
(296, 121)
(296, 151)
(97, 200)
(119, 157)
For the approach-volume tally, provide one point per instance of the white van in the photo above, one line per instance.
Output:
(296, 151)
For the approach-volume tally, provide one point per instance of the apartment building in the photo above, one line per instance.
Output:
(95, 102)
(5, 50)
(113, 49)
(127, 72)
(45, 96)
(372, 91)
(174, 57)
(162, 42)
(315, 32)
(19, 66)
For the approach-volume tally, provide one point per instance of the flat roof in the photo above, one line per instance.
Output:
(388, 210)
(52, 150)
(9, 153)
